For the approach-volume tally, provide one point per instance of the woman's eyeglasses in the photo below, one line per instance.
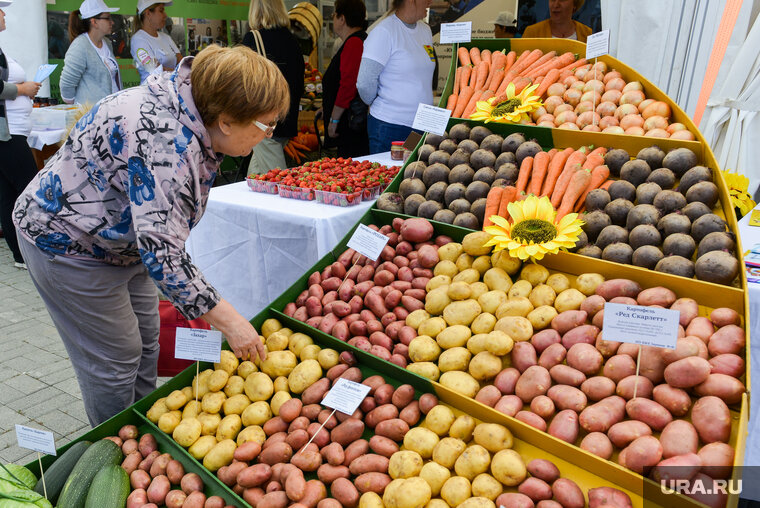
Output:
(107, 18)
(268, 129)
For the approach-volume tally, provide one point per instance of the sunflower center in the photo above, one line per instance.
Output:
(535, 230)
(506, 107)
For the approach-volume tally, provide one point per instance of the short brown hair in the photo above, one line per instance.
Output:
(263, 14)
(237, 82)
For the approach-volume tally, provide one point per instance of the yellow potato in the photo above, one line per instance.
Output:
(424, 349)
(188, 391)
(482, 264)
(435, 475)
(246, 368)
(485, 485)
(459, 291)
(175, 400)
(259, 386)
(542, 316)
(228, 362)
(478, 289)
(277, 342)
(477, 343)
(209, 423)
(229, 427)
(477, 502)
(454, 359)
(492, 436)
(427, 370)
(462, 428)
(558, 282)
(270, 326)
(507, 467)
(201, 447)
(474, 243)
(310, 352)
(191, 409)
(304, 375)
(447, 268)
(491, 300)
(450, 251)
(542, 294)
(468, 275)
(437, 503)
(503, 260)
(517, 327)
(286, 331)
(220, 455)
(460, 382)
(200, 383)
(456, 490)
(169, 421)
(448, 450)
(472, 462)
(520, 288)
(328, 358)
(236, 404)
(257, 413)
(251, 433)
(280, 363)
(464, 262)
(370, 500)
(569, 299)
(278, 399)
(439, 419)
(484, 366)
(212, 402)
(405, 464)
(484, 323)
(461, 313)
(432, 327)
(586, 283)
(453, 336)
(414, 319)
(298, 341)
(437, 281)
(437, 300)
(235, 386)
(497, 279)
(517, 306)
(499, 343)
(421, 440)
(534, 273)
(281, 384)
(187, 432)
(407, 493)
(217, 380)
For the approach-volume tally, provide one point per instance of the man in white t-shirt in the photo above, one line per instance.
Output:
(152, 49)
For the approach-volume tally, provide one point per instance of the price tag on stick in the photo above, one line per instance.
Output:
(198, 345)
(41, 441)
(598, 44)
(456, 32)
(368, 242)
(431, 119)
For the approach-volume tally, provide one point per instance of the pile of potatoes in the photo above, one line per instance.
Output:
(659, 216)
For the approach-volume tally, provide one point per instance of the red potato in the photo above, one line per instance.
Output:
(137, 499)
(514, 500)
(131, 462)
(624, 433)
(619, 367)
(649, 412)
(355, 449)
(544, 339)
(685, 347)
(147, 445)
(656, 296)
(675, 400)
(585, 358)
(728, 364)
(274, 499)
(295, 485)
(403, 396)
(301, 423)
(601, 416)
(505, 381)
(638, 385)
(275, 425)
(717, 460)
(328, 322)
(609, 289)
(158, 489)
(510, 405)
(523, 356)
(567, 320)
(369, 463)
(625, 300)
(598, 387)
(592, 304)
(191, 482)
(598, 319)
(567, 397)
(416, 230)
(175, 471)
(128, 432)
(253, 496)
(427, 402)
(215, 502)
(328, 473)
(642, 454)
(564, 426)
(721, 316)
(608, 497)
(345, 492)
(536, 489)
(728, 339)
(679, 437)
(488, 395)
(139, 479)
(679, 467)
(689, 309)
(552, 355)
(175, 499)
(543, 469)
(687, 372)
(315, 291)
(608, 348)
(568, 494)
(383, 446)
(598, 444)
(314, 493)
(708, 492)
(542, 406)
(372, 482)
(726, 387)
(701, 327)
(565, 375)
(289, 411)
(228, 474)
(129, 446)
(307, 460)
(651, 364)
(531, 419)
(581, 334)
(533, 382)
(381, 352)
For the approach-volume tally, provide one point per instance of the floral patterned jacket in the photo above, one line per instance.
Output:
(130, 182)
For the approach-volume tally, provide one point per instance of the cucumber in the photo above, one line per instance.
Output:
(99, 455)
(109, 488)
(56, 474)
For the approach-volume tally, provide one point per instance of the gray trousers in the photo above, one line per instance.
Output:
(268, 154)
(107, 317)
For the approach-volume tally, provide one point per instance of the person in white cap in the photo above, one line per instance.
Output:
(90, 71)
(151, 47)
(17, 166)
(504, 26)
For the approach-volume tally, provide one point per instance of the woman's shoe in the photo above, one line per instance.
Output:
(22, 266)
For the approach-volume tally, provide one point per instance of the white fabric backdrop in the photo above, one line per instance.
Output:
(22, 18)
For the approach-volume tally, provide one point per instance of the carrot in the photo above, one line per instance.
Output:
(574, 65)
(464, 98)
(482, 74)
(298, 146)
(451, 102)
(539, 63)
(573, 163)
(498, 60)
(495, 80)
(524, 174)
(598, 176)
(593, 160)
(577, 186)
(557, 63)
(511, 56)
(540, 169)
(457, 80)
(473, 104)
(520, 66)
(464, 80)
(600, 150)
(507, 196)
(550, 78)
(485, 55)
(563, 75)
(464, 56)
(475, 55)
(521, 83)
(492, 205)
(606, 185)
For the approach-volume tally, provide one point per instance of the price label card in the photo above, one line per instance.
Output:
(198, 345)
(345, 396)
(431, 119)
(598, 44)
(456, 32)
(368, 242)
(645, 326)
(35, 439)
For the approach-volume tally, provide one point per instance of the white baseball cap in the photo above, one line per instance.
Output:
(144, 4)
(91, 8)
(505, 18)
(5, 3)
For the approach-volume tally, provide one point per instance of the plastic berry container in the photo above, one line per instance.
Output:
(261, 185)
(372, 192)
(293, 192)
(339, 198)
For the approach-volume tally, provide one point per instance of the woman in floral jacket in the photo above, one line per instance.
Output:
(106, 220)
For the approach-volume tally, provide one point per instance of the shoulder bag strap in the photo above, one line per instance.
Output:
(259, 43)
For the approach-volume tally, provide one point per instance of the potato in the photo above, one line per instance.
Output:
(220, 455)
(517, 500)
(310, 352)
(246, 368)
(564, 425)
(503, 260)
(569, 299)
(450, 252)
(484, 366)
(598, 444)
(485, 485)
(493, 437)
(407, 493)
(259, 386)
(492, 300)
(453, 336)
(517, 306)
(175, 400)
(484, 323)
(304, 375)
(431, 327)
(187, 432)
(541, 317)
(296, 342)
(718, 459)
(229, 427)
(169, 421)
(277, 342)
(598, 387)
(649, 412)
(416, 318)
(644, 452)
(542, 295)
(405, 464)
(212, 401)
(201, 446)
(191, 409)
(679, 437)
(497, 280)
(461, 382)
(462, 427)
(435, 475)
(454, 359)
(235, 386)
(478, 289)
(520, 288)
(519, 328)
(507, 467)
(257, 413)
(437, 300)
(278, 399)
(456, 490)
(533, 382)
(269, 326)
(157, 409)
(427, 370)
(461, 313)
(439, 419)
(567, 397)
(228, 362)
(370, 500)
(422, 441)
(424, 349)
(473, 243)
(281, 384)
(468, 275)
(447, 451)
(568, 494)
(280, 363)
(712, 419)
(587, 283)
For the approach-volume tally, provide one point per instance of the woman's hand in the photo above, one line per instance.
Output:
(332, 130)
(242, 337)
(28, 88)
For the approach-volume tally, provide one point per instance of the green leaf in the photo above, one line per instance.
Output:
(16, 475)
(23, 499)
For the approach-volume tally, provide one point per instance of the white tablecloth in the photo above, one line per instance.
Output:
(38, 139)
(252, 246)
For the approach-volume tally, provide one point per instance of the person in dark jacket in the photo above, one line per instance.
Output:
(270, 36)
(345, 115)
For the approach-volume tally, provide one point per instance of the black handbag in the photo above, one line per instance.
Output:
(357, 114)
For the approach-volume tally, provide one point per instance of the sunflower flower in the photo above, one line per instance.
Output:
(508, 107)
(737, 190)
(533, 232)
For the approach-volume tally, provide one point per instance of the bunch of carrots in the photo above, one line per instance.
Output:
(298, 145)
(565, 176)
(485, 74)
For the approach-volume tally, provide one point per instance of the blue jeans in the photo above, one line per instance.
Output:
(381, 134)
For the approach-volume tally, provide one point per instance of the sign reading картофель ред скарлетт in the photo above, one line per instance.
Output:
(645, 326)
